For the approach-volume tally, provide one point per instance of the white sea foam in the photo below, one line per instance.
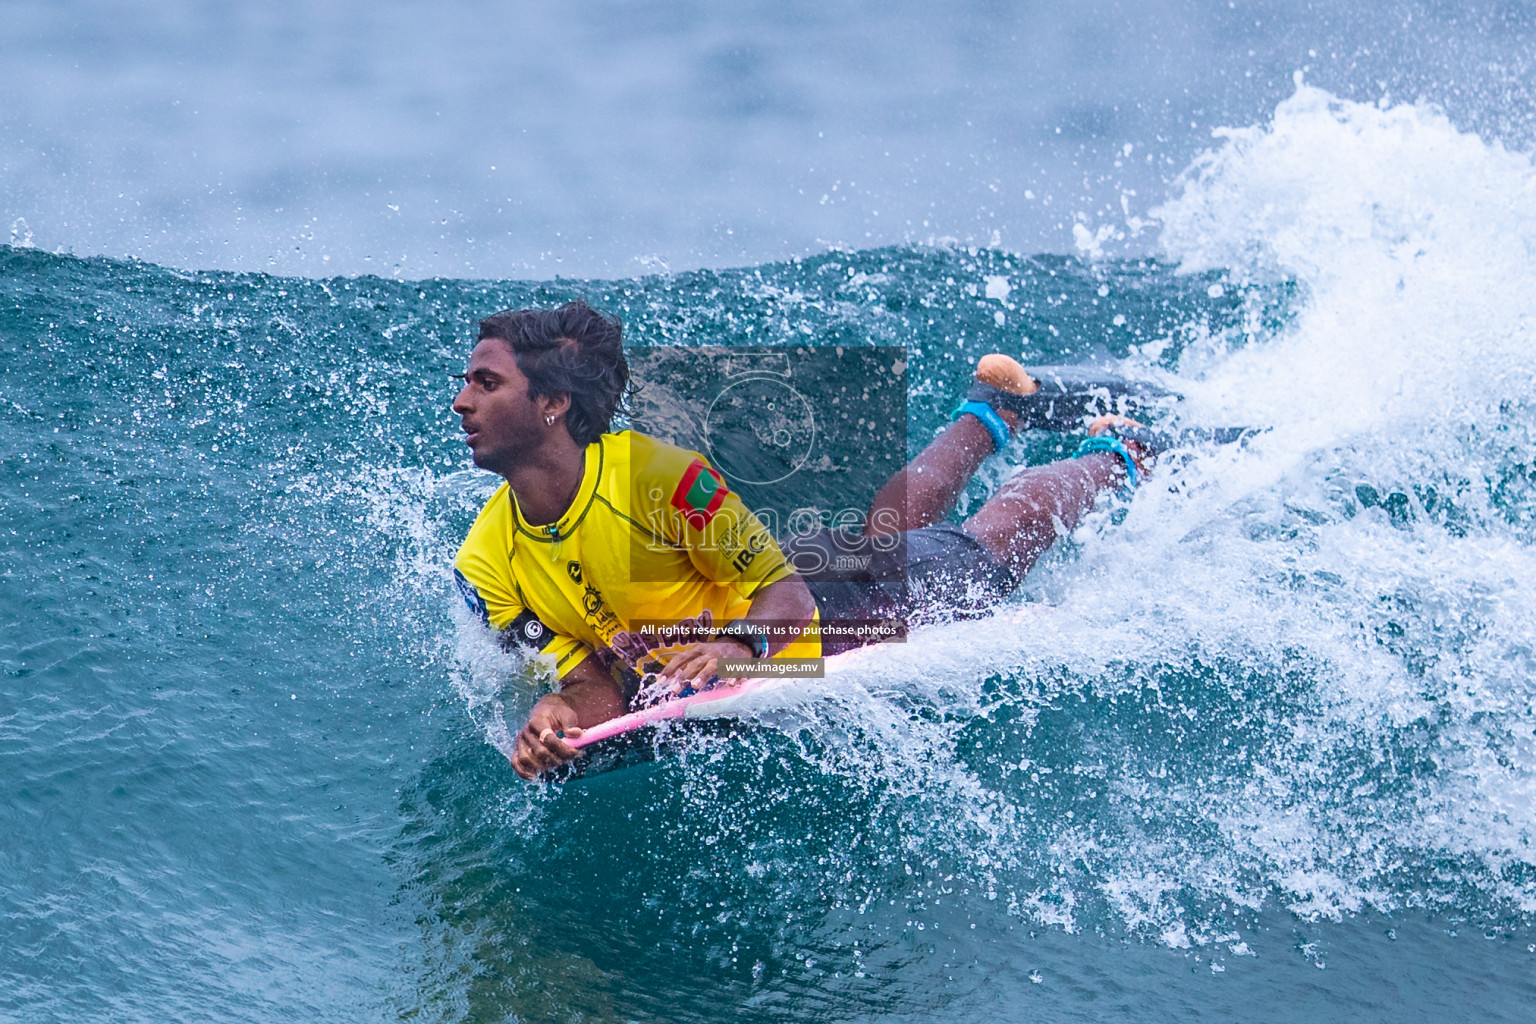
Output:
(409, 511)
(1404, 371)
(1366, 560)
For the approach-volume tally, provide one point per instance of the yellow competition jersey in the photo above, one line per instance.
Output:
(654, 535)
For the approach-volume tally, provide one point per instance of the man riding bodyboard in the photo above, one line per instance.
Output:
(596, 537)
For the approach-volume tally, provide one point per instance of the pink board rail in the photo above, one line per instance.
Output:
(722, 701)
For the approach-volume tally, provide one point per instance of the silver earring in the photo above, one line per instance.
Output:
(549, 421)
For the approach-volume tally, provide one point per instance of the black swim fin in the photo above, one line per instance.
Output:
(1070, 395)
(1155, 442)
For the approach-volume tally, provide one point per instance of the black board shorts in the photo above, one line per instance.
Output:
(864, 584)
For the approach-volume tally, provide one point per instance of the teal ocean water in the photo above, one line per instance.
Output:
(1258, 745)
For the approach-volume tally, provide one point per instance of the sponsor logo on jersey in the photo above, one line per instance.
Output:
(699, 494)
(591, 600)
(755, 546)
(597, 612)
(573, 569)
(634, 645)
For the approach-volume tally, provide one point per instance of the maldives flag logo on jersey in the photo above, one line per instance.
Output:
(699, 494)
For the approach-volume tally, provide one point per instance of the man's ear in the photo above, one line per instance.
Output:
(555, 405)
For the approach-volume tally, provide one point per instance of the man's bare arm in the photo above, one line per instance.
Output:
(588, 695)
(787, 602)
(783, 603)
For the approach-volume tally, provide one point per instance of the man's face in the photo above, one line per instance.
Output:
(500, 421)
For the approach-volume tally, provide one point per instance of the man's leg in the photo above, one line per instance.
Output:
(922, 492)
(1041, 503)
(926, 489)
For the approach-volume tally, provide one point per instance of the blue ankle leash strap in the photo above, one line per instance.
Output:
(989, 419)
(1112, 445)
(1092, 445)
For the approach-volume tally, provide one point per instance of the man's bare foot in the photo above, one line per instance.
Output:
(1138, 440)
(999, 380)
(997, 394)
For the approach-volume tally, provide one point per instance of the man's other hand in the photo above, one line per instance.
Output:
(539, 744)
(695, 665)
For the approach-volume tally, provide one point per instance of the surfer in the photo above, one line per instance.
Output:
(622, 557)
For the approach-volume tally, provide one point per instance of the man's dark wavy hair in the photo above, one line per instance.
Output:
(574, 350)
